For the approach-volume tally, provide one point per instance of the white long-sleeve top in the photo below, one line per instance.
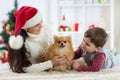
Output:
(38, 45)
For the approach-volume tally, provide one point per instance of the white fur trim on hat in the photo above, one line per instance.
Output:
(16, 42)
(33, 21)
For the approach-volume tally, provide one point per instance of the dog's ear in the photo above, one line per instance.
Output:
(69, 37)
(55, 37)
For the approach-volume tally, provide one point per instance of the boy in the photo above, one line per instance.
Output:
(91, 50)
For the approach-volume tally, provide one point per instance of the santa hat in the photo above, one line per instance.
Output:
(26, 17)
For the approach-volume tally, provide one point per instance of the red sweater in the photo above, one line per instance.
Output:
(96, 63)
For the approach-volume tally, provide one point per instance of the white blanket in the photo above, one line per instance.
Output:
(106, 74)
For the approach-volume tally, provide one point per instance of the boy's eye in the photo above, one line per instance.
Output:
(83, 40)
(87, 44)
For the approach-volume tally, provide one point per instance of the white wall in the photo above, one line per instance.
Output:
(48, 9)
(4, 9)
(117, 23)
(8, 5)
(42, 5)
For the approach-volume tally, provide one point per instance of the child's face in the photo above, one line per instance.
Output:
(35, 29)
(88, 46)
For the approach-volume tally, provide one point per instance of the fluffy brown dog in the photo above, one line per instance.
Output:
(62, 46)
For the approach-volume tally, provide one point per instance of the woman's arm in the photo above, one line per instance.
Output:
(55, 61)
(38, 67)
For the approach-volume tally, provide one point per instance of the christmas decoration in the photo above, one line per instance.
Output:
(3, 56)
(70, 28)
(76, 25)
(91, 26)
(62, 26)
(8, 27)
(102, 22)
(102, 1)
(63, 21)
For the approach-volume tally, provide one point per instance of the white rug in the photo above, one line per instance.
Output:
(107, 74)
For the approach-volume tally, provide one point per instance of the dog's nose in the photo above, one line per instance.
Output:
(62, 44)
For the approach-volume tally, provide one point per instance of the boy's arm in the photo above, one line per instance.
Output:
(97, 63)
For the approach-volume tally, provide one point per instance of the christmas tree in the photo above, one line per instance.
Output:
(8, 27)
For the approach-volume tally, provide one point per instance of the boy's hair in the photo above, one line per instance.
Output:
(97, 35)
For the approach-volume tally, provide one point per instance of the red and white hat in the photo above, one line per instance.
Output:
(25, 17)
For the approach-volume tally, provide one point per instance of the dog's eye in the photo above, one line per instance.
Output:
(59, 41)
(65, 41)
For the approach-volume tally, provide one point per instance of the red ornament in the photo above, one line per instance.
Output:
(76, 26)
(4, 59)
(4, 30)
(63, 27)
(2, 41)
(7, 47)
(91, 26)
(63, 18)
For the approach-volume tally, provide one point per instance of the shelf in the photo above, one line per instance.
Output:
(82, 5)
(70, 32)
(70, 5)
(77, 32)
(87, 14)
(95, 5)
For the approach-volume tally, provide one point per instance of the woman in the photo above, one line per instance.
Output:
(30, 42)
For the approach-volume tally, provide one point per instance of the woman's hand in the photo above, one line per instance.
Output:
(59, 60)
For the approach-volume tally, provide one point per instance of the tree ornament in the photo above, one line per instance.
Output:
(4, 22)
(4, 30)
(2, 41)
(7, 47)
(8, 27)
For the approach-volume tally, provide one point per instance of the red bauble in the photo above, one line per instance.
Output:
(7, 47)
(2, 41)
(4, 58)
(4, 30)
(91, 26)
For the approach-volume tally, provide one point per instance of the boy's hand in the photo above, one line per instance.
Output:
(75, 64)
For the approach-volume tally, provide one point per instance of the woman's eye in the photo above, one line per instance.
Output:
(37, 24)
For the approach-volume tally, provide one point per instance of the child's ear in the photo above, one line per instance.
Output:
(98, 48)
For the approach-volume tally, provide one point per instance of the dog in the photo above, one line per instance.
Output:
(62, 46)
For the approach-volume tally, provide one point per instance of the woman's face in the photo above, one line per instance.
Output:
(88, 46)
(35, 29)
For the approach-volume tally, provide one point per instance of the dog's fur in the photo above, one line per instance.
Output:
(62, 46)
